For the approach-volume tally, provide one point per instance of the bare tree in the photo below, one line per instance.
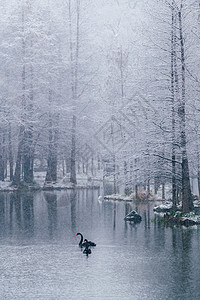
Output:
(187, 203)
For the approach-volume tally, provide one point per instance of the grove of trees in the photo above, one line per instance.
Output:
(85, 81)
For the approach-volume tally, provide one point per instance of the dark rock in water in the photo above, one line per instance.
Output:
(133, 216)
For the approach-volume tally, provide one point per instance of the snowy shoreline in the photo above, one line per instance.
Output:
(168, 216)
(6, 187)
(130, 198)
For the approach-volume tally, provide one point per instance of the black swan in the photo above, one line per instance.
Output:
(86, 242)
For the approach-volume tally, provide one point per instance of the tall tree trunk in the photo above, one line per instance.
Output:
(92, 166)
(136, 179)
(148, 188)
(163, 191)
(126, 176)
(28, 157)
(50, 150)
(1, 161)
(114, 175)
(73, 152)
(28, 134)
(121, 73)
(173, 58)
(51, 175)
(10, 154)
(17, 174)
(198, 179)
(55, 149)
(198, 171)
(136, 192)
(74, 60)
(4, 152)
(187, 203)
(3, 157)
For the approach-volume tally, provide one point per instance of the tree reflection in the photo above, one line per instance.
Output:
(73, 198)
(147, 217)
(2, 213)
(182, 251)
(17, 208)
(21, 213)
(51, 199)
(128, 209)
(28, 213)
(114, 217)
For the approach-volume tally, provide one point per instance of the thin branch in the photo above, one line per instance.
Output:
(168, 159)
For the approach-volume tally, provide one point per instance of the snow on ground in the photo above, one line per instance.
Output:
(5, 186)
(163, 207)
(118, 197)
(62, 182)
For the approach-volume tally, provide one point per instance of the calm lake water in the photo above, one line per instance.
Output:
(40, 257)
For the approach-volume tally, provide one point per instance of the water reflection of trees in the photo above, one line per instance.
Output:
(114, 215)
(51, 199)
(182, 257)
(28, 213)
(2, 214)
(15, 210)
(73, 198)
(21, 213)
(147, 217)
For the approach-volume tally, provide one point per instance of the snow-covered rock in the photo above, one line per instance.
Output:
(164, 207)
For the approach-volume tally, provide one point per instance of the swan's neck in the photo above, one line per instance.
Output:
(81, 240)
